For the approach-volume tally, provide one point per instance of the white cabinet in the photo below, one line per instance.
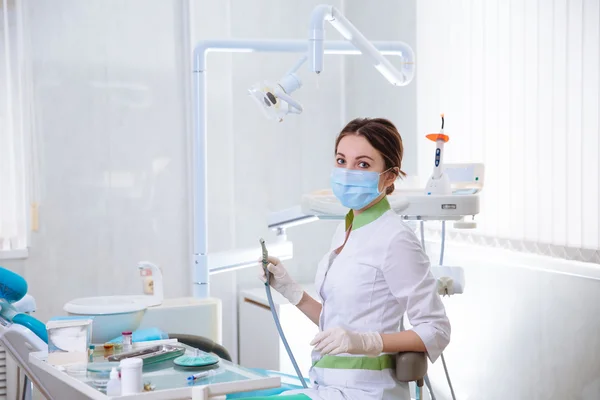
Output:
(259, 343)
(186, 315)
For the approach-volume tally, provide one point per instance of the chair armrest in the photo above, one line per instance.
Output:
(411, 366)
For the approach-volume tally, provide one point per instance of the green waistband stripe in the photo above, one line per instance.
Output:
(369, 363)
(279, 397)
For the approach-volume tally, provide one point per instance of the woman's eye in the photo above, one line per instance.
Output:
(363, 164)
(340, 161)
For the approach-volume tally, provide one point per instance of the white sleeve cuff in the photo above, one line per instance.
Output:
(435, 341)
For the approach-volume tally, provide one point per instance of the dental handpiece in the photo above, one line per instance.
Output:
(265, 259)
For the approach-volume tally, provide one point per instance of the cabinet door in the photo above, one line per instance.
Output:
(258, 338)
(260, 345)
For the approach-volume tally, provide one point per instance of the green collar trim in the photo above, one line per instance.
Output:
(367, 216)
(384, 361)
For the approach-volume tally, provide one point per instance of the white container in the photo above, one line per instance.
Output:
(69, 340)
(131, 376)
(113, 387)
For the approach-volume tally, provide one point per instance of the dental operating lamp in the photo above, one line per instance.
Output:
(274, 96)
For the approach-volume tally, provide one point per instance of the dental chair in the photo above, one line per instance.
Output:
(412, 367)
(21, 334)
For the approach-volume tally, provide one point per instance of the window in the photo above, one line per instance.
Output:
(519, 83)
(14, 133)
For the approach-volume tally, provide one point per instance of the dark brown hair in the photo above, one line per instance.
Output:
(383, 136)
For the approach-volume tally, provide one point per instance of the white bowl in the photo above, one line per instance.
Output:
(112, 314)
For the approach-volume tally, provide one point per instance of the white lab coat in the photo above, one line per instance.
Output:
(381, 273)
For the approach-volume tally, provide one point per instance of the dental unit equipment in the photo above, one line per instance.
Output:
(273, 93)
(265, 263)
(451, 194)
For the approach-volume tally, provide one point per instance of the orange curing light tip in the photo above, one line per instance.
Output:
(434, 137)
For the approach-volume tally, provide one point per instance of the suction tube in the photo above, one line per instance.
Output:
(441, 263)
(442, 248)
(265, 262)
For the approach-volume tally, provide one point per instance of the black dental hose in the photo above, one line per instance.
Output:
(265, 262)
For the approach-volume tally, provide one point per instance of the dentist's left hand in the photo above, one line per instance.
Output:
(337, 341)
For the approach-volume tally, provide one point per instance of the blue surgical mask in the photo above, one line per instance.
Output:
(355, 189)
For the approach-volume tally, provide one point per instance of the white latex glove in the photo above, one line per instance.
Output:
(337, 340)
(281, 281)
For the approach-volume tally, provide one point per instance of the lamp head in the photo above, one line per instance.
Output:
(274, 98)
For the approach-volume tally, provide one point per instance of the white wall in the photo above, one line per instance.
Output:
(525, 328)
(111, 146)
(519, 84)
(110, 86)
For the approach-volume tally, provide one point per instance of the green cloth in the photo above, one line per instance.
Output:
(380, 363)
(385, 361)
(367, 216)
(283, 397)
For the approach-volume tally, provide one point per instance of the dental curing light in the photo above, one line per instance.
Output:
(439, 183)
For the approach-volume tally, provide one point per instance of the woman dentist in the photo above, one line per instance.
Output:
(374, 272)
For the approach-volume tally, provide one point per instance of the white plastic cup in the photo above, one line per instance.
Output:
(131, 376)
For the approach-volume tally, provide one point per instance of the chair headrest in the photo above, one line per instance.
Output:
(12, 286)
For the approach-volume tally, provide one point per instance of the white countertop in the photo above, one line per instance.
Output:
(259, 295)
